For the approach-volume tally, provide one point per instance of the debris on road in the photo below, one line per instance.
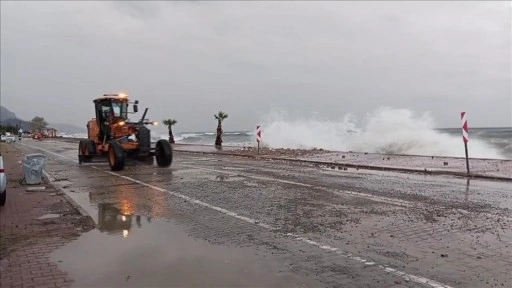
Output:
(35, 189)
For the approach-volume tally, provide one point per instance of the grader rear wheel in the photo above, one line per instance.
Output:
(115, 156)
(80, 152)
(86, 150)
(82, 149)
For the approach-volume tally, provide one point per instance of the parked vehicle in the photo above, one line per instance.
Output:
(3, 182)
(10, 138)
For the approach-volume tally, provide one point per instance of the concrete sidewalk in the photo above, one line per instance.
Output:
(32, 225)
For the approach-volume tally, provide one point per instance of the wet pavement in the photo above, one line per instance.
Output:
(222, 221)
(133, 250)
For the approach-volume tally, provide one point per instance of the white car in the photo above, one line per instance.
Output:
(3, 182)
(10, 138)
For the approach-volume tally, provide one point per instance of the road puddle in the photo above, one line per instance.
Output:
(136, 250)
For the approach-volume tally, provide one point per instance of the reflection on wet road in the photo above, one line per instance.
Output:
(134, 250)
(255, 223)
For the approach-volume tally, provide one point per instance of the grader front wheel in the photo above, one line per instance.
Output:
(163, 153)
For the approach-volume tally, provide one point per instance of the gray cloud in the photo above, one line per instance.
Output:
(143, 10)
(189, 59)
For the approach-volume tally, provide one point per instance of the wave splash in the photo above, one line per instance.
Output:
(387, 130)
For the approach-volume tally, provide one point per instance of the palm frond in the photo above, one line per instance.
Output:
(221, 116)
(169, 122)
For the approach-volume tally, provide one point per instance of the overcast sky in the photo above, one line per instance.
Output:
(187, 60)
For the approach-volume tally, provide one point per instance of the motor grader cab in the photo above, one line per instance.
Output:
(113, 135)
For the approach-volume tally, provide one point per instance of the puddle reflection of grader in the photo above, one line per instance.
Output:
(111, 219)
(111, 134)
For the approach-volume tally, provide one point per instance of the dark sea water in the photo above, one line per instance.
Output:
(500, 137)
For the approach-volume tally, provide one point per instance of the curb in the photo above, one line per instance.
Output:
(50, 180)
(357, 166)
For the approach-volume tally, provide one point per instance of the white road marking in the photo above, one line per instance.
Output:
(417, 279)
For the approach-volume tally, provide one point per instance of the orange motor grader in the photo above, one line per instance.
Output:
(113, 136)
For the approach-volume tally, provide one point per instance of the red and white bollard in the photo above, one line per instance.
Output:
(465, 136)
(258, 137)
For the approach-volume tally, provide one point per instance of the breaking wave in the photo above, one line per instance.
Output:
(386, 130)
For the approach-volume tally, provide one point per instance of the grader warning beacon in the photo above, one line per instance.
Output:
(111, 134)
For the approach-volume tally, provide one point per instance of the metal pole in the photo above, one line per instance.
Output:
(467, 158)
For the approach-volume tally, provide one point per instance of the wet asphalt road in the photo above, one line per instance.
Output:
(217, 221)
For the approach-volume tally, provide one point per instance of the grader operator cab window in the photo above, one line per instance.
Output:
(105, 110)
(115, 109)
(120, 109)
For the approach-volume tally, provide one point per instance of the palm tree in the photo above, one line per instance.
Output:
(221, 116)
(169, 123)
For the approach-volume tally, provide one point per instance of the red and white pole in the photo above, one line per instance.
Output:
(258, 137)
(465, 136)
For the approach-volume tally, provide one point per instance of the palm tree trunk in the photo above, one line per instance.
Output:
(218, 139)
(171, 136)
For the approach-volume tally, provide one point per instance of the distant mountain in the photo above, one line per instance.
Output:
(6, 114)
(9, 118)
(15, 121)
